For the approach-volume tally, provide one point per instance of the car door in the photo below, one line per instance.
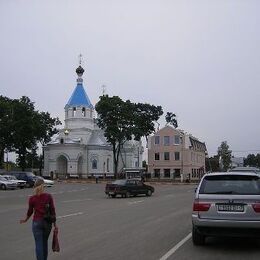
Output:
(131, 186)
(141, 188)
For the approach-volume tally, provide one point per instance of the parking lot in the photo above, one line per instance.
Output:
(92, 226)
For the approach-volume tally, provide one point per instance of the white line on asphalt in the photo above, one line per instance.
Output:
(176, 247)
(66, 201)
(71, 215)
(134, 202)
(171, 195)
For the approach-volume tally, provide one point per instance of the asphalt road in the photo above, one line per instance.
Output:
(92, 226)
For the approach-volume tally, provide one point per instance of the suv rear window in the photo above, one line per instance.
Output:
(230, 184)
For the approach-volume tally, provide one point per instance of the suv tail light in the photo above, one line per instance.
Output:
(200, 206)
(256, 207)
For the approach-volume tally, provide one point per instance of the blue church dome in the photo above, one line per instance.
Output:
(79, 97)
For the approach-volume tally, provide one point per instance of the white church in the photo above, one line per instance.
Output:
(80, 148)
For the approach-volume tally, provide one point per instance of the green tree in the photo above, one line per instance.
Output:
(252, 160)
(212, 164)
(46, 127)
(6, 127)
(224, 156)
(123, 120)
(25, 135)
(22, 128)
(171, 119)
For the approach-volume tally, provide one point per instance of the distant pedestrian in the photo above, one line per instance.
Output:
(96, 178)
(39, 204)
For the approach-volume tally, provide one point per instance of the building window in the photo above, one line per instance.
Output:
(94, 164)
(177, 173)
(83, 111)
(157, 173)
(166, 156)
(62, 141)
(166, 140)
(107, 164)
(176, 139)
(74, 112)
(157, 139)
(167, 173)
(177, 156)
(157, 156)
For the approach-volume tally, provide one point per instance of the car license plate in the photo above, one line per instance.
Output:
(111, 193)
(231, 207)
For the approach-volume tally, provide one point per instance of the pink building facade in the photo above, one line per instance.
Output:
(173, 154)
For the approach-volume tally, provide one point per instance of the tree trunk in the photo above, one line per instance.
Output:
(41, 161)
(1, 157)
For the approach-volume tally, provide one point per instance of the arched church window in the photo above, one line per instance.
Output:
(84, 111)
(94, 164)
(107, 164)
(62, 141)
(74, 112)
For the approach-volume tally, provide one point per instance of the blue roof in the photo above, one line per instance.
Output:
(79, 97)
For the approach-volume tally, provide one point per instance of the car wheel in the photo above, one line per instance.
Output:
(197, 238)
(127, 195)
(113, 196)
(3, 187)
(149, 193)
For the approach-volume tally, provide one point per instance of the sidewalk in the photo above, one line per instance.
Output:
(149, 182)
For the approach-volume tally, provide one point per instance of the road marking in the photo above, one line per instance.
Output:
(135, 202)
(170, 195)
(66, 201)
(71, 215)
(176, 247)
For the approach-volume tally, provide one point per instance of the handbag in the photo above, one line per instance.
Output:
(48, 216)
(55, 241)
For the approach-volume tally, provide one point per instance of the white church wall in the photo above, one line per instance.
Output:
(102, 157)
(74, 123)
(82, 133)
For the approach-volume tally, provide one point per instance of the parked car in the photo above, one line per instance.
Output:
(226, 204)
(29, 177)
(128, 187)
(48, 183)
(245, 169)
(20, 183)
(6, 184)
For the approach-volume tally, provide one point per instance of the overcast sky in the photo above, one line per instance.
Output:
(199, 59)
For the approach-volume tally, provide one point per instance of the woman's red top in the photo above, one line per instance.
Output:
(37, 204)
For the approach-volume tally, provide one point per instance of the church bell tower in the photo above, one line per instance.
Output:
(79, 112)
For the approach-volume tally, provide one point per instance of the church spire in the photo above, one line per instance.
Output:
(80, 71)
(79, 97)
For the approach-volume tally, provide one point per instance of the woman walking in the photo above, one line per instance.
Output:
(41, 228)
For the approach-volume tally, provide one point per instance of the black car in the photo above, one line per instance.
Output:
(128, 187)
(29, 177)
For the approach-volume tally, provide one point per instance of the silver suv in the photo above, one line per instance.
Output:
(226, 204)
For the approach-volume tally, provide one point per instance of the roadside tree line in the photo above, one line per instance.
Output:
(23, 129)
(222, 161)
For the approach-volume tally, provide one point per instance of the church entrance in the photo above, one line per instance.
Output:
(62, 166)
